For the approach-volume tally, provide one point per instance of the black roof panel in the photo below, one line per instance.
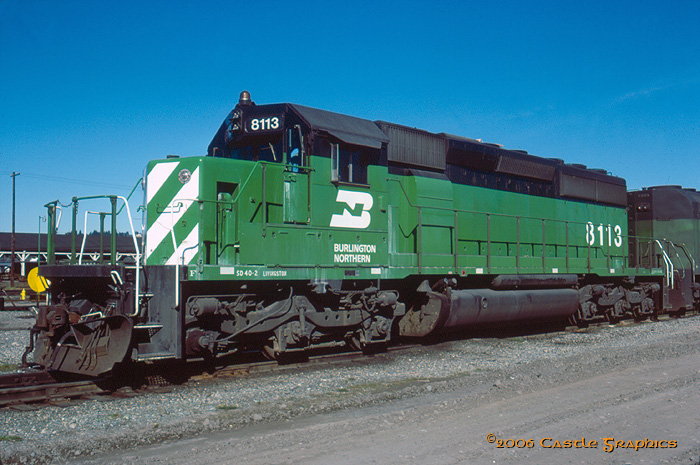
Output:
(356, 131)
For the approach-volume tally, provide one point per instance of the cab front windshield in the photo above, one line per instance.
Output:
(259, 148)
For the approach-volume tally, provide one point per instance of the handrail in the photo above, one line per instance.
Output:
(670, 275)
(113, 199)
(51, 228)
(117, 213)
(680, 260)
(690, 258)
(260, 163)
(688, 255)
(138, 259)
(85, 235)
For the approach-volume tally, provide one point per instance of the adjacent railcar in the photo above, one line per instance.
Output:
(664, 222)
(304, 228)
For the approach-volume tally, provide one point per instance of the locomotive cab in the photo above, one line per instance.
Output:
(256, 225)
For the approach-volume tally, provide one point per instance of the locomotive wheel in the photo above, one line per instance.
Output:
(638, 315)
(375, 348)
(354, 344)
(577, 320)
(268, 350)
(285, 357)
(678, 313)
(584, 314)
(610, 318)
(367, 349)
(268, 353)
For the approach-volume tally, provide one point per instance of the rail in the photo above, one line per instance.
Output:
(31, 386)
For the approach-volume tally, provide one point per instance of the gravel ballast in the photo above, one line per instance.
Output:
(487, 367)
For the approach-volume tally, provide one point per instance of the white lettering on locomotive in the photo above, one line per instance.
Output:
(347, 219)
(351, 258)
(355, 248)
(353, 253)
(267, 273)
(613, 234)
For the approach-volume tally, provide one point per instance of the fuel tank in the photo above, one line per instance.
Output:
(471, 307)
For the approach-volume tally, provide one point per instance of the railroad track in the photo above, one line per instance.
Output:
(631, 322)
(32, 389)
(311, 363)
(29, 389)
(21, 389)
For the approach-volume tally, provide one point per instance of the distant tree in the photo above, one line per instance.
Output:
(107, 233)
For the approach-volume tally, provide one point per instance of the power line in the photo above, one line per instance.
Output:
(75, 181)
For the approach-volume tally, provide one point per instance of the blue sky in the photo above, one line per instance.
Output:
(91, 91)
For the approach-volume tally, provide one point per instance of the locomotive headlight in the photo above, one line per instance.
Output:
(184, 176)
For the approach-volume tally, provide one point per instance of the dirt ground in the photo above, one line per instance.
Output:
(615, 408)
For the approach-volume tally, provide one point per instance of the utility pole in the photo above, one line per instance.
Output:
(12, 260)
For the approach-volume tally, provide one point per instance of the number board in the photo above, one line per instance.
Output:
(264, 124)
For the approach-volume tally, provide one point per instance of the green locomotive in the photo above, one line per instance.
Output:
(303, 228)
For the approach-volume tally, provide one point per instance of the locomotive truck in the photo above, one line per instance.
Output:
(303, 228)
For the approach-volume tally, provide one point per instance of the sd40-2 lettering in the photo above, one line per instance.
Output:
(247, 273)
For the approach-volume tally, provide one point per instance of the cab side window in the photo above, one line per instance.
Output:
(295, 154)
(349, 163)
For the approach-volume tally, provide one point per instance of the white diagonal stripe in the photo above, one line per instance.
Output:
(157, 177)
(160, 229)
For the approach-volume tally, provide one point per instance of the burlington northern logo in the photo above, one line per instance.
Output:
(347, 219)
